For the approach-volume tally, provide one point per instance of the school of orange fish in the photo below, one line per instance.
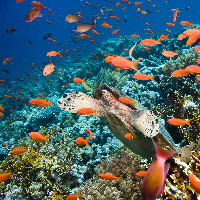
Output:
(154, 177)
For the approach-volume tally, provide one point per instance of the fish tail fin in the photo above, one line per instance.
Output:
(133, 104)
(46, 138)
(120, 179)
(152, 78)
(87, 141)
(163, 153)
(188, 122)
(51, 103)
(134, 65)
(78, 193)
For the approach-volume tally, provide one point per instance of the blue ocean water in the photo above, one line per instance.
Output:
(26, 46)
(14, 44)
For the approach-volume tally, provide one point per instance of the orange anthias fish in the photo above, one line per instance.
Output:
(191, 32)
(128, 136)
(73, 196)
(80, 141)
(137, 3)
(79, 80)
(181, 36)
(72, 18)
(38, 136)
(175, 15)
(39, 102)
(131, 50)
(19, 1)
(164, 37)
(34, 12)
(48, 69)
(198, 61)
(180, 73)
(49, 10)
(134, 35)
(53, 53)
(192, 40)
(150, 42)
(194, 182)
(109, 58)
(106, 25)
(178, 122)
(150, 31)
(124, 63)
(141, 173)
(4, 176)
(86, 111)
(113, 17)
(115, 31)
(155, 176)
(17, 151)
(84, 36)
(169, 54)
(95, 32)
(109, 177)
(193, 69)
(140, 76)
(168, 30)
(126, 100)
(197, 48)
(35, 3)
(186, 23)
(170, 24)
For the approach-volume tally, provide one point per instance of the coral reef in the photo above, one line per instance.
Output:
(177, 183)
(122, 165)
(43, 169)
(186, 58)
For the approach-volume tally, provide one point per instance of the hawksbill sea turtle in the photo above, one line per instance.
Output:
(121, 119)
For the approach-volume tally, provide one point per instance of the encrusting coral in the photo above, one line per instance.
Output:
(122, 165)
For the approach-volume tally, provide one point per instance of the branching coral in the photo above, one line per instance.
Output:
(121, 166)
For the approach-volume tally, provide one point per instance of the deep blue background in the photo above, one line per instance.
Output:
(14, 44)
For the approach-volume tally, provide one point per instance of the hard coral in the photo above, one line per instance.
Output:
(127, 189)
